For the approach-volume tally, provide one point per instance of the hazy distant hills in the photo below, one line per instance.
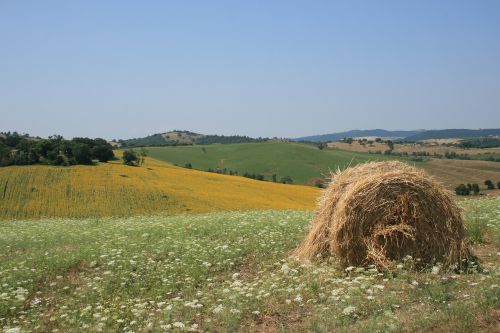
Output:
(358, 133)
(406, 135)
(180, 138)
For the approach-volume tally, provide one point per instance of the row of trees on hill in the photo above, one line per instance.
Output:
(480, 143)
(223, 139)
(16, 149)
(464, 189)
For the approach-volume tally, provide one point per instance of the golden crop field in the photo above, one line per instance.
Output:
(113, 189)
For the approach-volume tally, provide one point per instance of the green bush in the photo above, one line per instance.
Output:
(130, 157)
(462, 190)
(475, 188)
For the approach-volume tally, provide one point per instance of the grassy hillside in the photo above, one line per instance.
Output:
(302, 162)
(305, 163)
(115, 189)
(227, 272)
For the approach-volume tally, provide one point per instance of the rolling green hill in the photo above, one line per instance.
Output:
(304, 163)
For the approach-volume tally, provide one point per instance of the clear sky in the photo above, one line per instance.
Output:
(121, 69)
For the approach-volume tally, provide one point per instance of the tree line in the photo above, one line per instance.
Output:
(17, 149)
(246, 174)
(466, 189)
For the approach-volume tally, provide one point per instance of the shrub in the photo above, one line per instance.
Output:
(475, 188)
(462, 190)
(489, 184)
(130, 157)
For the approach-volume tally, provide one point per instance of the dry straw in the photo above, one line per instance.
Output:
(379, 212)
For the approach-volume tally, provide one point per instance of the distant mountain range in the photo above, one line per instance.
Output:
(406, 135)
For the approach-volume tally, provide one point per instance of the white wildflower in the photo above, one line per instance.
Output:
(349, 311)
(13, 330)
(218, 309)
(178, 324)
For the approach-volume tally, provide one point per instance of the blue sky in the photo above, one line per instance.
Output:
(121, 69)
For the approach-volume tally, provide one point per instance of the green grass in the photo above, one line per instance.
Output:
(302, 162)
(224, 272)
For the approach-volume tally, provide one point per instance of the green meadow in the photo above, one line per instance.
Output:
(303, 162)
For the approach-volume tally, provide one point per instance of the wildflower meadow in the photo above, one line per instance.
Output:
(227, 272)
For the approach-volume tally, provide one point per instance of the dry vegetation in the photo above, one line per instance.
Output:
(378, 212)
(451, 172)
(454, 172)
(430, 146)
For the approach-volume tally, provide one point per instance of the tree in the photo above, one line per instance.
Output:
(130, 157)
(274, 178)
(319, 183)
(142, 154)
(103, 153)
(498, 185)
(489, 184)
(321, 145)
(286, 180)
(462, 190)
(390, 144)
(189, 166)
(475, 188)
(81, 153)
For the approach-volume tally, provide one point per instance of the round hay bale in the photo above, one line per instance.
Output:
(379, 212)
